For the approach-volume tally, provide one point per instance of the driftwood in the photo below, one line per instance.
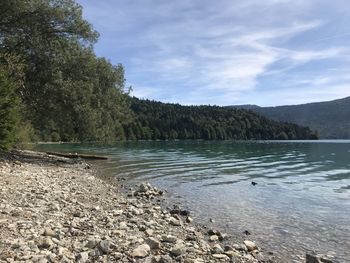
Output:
(76, 155)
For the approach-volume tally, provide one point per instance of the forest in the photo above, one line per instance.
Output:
(156, 120)
(53, 87)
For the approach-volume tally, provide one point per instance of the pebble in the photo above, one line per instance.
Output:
(153, 243)
(177, 249)
(104, 246)
(221, 256)
(175, 222)
(169, 239)
(82, 257)
(141, 251)
(49, 232)
(45, 243)
(217, 249)
(250, 245)
(213, 238)
(55, 211)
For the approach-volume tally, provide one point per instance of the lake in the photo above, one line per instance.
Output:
(301, 202)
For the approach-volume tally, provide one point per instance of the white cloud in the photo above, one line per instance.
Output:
(178, 49)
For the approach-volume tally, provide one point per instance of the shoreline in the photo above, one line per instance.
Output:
(55, 209)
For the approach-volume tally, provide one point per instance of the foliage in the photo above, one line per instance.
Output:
(9, 111)
(156, 120)
(69, 94)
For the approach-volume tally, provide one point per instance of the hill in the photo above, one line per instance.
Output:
(157, 120)
(331, 118)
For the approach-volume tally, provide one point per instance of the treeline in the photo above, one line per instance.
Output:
(52, 85)
(156, 120)
(54, 88)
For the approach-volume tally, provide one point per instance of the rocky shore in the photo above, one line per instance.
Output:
(53, 209)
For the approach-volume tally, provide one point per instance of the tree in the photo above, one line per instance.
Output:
(68, 93)
(9, 111)
(173, 121)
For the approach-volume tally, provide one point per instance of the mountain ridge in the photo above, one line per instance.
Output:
(330, 118)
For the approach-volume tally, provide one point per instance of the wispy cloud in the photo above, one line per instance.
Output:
(196, 52)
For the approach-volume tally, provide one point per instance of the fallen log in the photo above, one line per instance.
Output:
(76, 155)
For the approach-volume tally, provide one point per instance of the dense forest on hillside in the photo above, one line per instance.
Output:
(331, 118)
(54, 88)
(156, 120)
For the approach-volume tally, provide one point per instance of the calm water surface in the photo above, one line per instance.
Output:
(300, 204)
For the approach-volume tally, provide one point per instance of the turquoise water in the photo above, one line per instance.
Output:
(300, 204)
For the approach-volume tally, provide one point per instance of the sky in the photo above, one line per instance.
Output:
(227, 52)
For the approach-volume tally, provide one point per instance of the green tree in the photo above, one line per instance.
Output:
(68, 93)
(9, 111)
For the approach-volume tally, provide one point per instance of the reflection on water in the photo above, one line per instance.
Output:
(301, 202)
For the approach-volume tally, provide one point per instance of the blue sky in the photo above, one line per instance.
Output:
(226, 52)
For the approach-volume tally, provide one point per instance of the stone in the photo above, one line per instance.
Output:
(169, 238)
(45, 243)
(217, 249)
(153, 243)
(213, 232)
(162, 259)
(123, 225)
(95, 253)
(82, 257)
(213, 238)
(221, 257)
(222, 237)
(39, 259)
(185, 213)
(104, 246)
(48, 232)
(177, 250)
(250, 245)
(143, 188)
(317, 259)
(78, 214)
(189, 220)
(149, 232)
(175, 222)
(141, 251)
(142, 228)
(55, 207)
(239, 247)
(91, 243)
(232, 253)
